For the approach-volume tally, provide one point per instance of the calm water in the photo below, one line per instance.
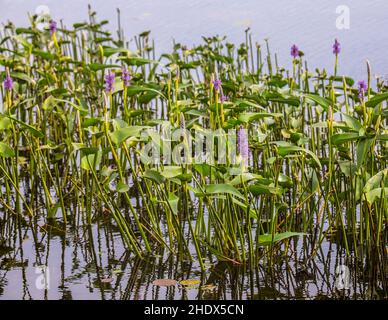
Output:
(91, 263)
(310, 24)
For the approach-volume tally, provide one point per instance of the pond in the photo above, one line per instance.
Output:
(309, 24)
(91, 263)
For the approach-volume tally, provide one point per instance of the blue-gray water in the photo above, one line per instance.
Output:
(310, 24)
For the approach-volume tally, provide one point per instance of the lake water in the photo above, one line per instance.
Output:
(309, 24)
(92, 263)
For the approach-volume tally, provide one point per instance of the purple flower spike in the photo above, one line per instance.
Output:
(362, 87)
(125, 76)
(8, 83)
(242, 143)
(336, 47)
(294, 51)
(109, 81)
(224, 98)
(52, 27)
(217, 84)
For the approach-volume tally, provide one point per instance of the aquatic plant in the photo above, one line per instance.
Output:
(74, 142)
(52, 26)
(109, 81)
(217, 84)
(294, 51)
(336, 47)
(125, 76)
(8, 83)
(362, 87)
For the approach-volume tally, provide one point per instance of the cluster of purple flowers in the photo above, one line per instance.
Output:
(294, 51)
(109, 81)
(8, 83)
(223, 98)
(362, 88)
(217, 84)
(336, 47)
(125, 76)
(52, 27)
(242, 143)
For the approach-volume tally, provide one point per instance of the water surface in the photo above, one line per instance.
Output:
(310, 24)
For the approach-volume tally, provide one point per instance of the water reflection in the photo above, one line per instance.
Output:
(91, 263)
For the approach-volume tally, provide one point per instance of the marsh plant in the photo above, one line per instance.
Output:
(247, 156)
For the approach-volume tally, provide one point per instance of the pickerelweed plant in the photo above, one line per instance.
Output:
(78, 106)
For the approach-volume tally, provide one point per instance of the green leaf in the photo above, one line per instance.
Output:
(100, 66)
(340, 138)
(154, 176)
(118, 85)
(244, 177)
(5, 123)
(52, 212)
(6, 151)
(268, 239)
(285, 181)
(43, 54)
(285, 150)
(36, 133)
(170, 172)
(323, 102)
(82, 109)
(258, 189)
(375, 181)
(382, 137)
(25, 31)
(91, 122)
(315, 184)
(276, 97)
(122, 187)
(91, 161)
(136, 61)
(85, 149)
(173, 201)
(223, 188)
(247, 103)
(363, 146)
(204, 169)
(79, 25)
(348, 168)
(122, 134)
(132, 90)
(323, 124)
(252, 116)
(377, 99)
(49, 103)
(373, 195)
(109, 51)
(23, 76)
(135, 113)
(252, 213)
(352, 122)
(349, 81)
